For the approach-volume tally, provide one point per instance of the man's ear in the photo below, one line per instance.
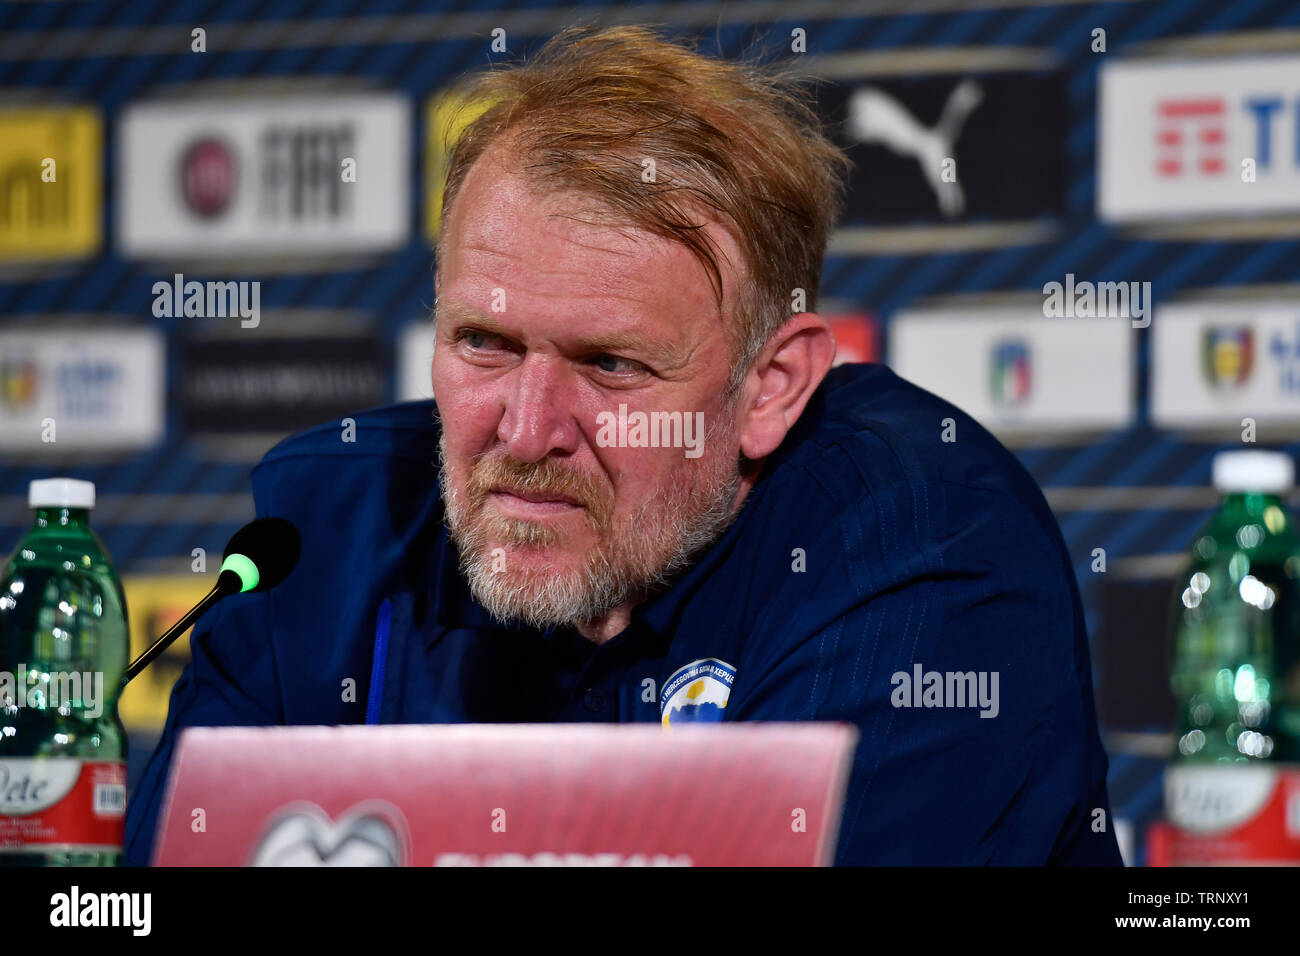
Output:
(783, 378)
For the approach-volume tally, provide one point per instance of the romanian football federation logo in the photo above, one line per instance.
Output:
(697, 693)
(17, 381)
(1227, 355)
(1010, 378)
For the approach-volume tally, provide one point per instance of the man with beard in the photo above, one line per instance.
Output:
(624, 232)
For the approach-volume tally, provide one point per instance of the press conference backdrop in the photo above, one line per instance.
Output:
(1105, 276)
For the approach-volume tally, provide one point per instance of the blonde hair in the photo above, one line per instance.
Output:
(734, 142)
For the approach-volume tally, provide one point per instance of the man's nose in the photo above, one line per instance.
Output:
(538, 417)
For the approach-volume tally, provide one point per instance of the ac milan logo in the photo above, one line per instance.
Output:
(208, 172)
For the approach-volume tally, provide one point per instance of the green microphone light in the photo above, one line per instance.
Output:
(260, 555)
(243, 566)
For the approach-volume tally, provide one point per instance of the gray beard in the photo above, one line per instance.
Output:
(634, 557)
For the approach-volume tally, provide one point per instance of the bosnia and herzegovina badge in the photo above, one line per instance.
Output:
(697, 693)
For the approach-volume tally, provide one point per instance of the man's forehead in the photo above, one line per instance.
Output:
(504, 213)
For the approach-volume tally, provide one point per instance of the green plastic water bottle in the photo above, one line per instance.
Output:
(63, 651)
(1236, 674)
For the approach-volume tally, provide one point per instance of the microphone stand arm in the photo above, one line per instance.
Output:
(228, 583)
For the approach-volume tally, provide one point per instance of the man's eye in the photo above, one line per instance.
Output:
(479, 340)
(613, 364)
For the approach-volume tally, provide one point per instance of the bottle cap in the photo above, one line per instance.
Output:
(1264, 471)
(61, 493)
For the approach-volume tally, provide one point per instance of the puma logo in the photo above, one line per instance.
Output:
(876, 117)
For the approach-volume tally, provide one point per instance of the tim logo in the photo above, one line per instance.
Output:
(1190, 137)
(1010, 375)
(1192, 134)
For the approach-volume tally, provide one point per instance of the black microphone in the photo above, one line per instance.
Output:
(259, 556)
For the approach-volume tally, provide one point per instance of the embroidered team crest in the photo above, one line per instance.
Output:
(697, 693)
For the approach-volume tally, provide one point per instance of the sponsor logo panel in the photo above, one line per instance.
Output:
(1173, 138)
(289, 176)
(72, 390)
(1004, 133)
(1215, 363)
(51, 191)
(246, 383)
(1014, 370)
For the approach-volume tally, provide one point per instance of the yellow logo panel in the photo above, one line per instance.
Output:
(155, 603)
(51, 189)
(446, 117)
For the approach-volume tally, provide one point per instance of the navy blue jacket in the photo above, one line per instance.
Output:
(869, 546)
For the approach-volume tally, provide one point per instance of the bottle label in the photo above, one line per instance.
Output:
(1233, 814)
(61, 802)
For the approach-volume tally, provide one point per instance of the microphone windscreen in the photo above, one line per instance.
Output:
(272, 544)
